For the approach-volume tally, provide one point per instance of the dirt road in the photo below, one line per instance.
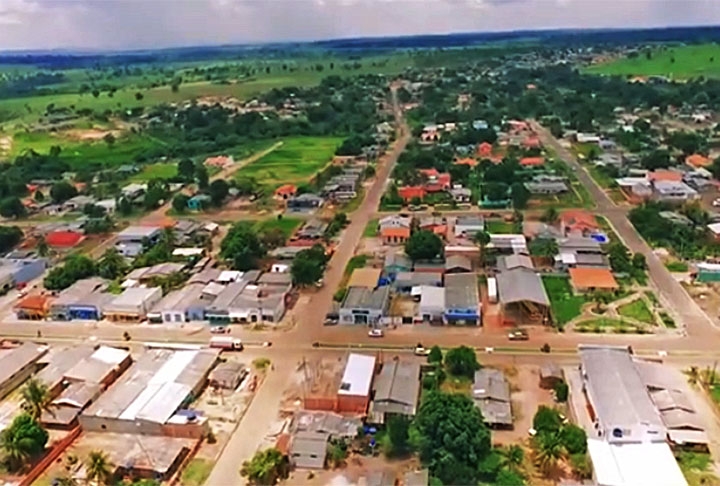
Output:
(688, 314)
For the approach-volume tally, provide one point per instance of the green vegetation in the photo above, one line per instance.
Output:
(496, 226)
(309, 265)
(160, 170)
(678, 266)
(284, 225)
(689, 61)
(295, 162)
(603, 324)
(371, 230)
(564, 305)
(266, 467)
(557, 441)
(696, 466)
(423, 245)
(667, 320)
(196, 472)
(637, 310)
(358, 261)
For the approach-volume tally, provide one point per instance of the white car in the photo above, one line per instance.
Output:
(716, 203)
(375, 333)
(421, 351)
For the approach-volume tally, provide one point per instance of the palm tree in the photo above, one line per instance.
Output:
(17, 450)
(481, 238)
(98, 467)
(43, 249)
(550, 216)
(513, 456)
(36, 398)
(549, 450)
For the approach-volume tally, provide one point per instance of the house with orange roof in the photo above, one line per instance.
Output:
(285, 192)
(221, 161)
(466, 161)
(517, 126)
(408, 193)
(531, 142)
(578, 222)
(587, 279)
(485, 150)
(697, 160)
(532, 161)
(436, 181)
(33, 307)
(664, 175)
(394, 236)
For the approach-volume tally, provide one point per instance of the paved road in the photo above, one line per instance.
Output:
(686, 311)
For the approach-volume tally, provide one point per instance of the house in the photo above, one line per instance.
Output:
(674, 192)
(635, 189)
(462, 299)
(584, 279)
(505, 263)
(395, 263)
(676, 218)
(183, 305)
(607, 144)
(199, 202)
(431, 308)
(457, 264)
(408, 193)
(578, 222)
(83, 300)
(491, 394)
(531, 142)
(532, 161)
(610, 159)
(78, 203)
(587, 138)
(353, 395)
(304, 202)
(436, 181)
(468, 226)
(133, 191)
(133, 304)
(550, 375)
(363, 305)
(707, 272)
(395, 221)
(508, 244)
(308, 450)
(697, 160)
(63, 239)
(546, 187)
(578, 251)
(469, 161)
(310, 233)
(538, 229)
(397, 390)
(130, 241)
(405, 282)
(714, 229)
(227, 375)
(436, 224)
(32, 307)
(285, 192)
(394, 236)
(147, 275)
(249, 300)
(664, 175)
(220, 161)
(460, 194)
(21, 271)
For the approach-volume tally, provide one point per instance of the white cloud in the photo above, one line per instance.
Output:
(158, 23)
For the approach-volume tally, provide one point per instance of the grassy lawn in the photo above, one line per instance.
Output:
(295, 162)
(371, 230)
(637, 310)
(678, 62)
(695, 466)
(196, 472)
(498, 226)
(601, 324)
(677, 266)
(565, 306)
(286, 225)
(163, 170)
(358, 261)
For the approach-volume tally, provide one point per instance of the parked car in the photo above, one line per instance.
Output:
(518, 335)
(376, 333)
(219, 330)
(421, 351)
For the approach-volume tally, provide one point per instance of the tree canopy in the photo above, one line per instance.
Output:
(266, 467)
(423, 245)
(242, 247)
(462, 361)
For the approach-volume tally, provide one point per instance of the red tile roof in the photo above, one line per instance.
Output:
(410, 192)
(286, 190)
(532, 161)
(579, 220)
(697, 160)
(531, 142)
(466, 161)
(33, 302)
(395, 232)
(664, 175)
(485, 149)
(63, 239)
(599, 278)
(219, 161)
(429, 172)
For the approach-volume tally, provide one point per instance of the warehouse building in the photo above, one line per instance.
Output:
(83, 300)
(18, 364)
(133, 304)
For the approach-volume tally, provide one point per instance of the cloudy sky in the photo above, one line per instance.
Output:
(120, 24)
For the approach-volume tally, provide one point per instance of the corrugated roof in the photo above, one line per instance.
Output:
(397, 388)
(491, 394)
(19, 358)
(458, 261)
(358, 375)
(461, 291)
(510, 262)
(365, 298)
(521, 285)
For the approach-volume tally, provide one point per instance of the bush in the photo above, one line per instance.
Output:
(574, 439)
(561, 391)
(435, 356)
(462, 361)
(547, 420)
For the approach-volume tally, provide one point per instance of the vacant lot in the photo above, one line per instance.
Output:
(295, 162)
(286, 225)
(677, 62)
(565, 306)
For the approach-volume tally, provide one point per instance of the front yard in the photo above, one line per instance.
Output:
(564, 304)
(637, 310)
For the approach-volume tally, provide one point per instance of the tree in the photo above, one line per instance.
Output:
(543, 247)
(109, 139)
(462, 361)
(186, 170)
(42, 247)
(62, 191)
(398, 429)
(423, 245)
(550, 216)
(581, 466)
(657, 159)
(639, 262)
(39, 196)
(218, 192)
(36, 398)
(265, 468)
(180, 203)
(619, 257)
(452, 437)
(22, 440)
(337, 452)
(124, 206)
(242, 246)
(111, 265)
(98, 467)
(10, 236)
(306, 269)
(546, 420)
(12, 207)
(519, 195)
(513, 456)
(435, 356)
(508, 477)
(561, 390)
(549, 450)
(202, 176)
(574, 439)
(76, 267)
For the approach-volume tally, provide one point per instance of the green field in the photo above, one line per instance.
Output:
(637, 310)
(565, 306)
(499, 227)
(296, 161)
(677, 62)
(286, 225)
(161, 170)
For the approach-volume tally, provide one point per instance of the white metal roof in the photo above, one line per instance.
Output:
(109, 355)
(358, 375)
(634, 464)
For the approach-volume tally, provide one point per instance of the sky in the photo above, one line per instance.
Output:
(130, 24)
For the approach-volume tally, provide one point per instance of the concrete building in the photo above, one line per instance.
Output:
(353, 395)
(491, 394)
(133, 304)
(467, 226)
(149, 397)
(14, 272)
(83, 300)
(432, 304)
(227, 375)
(405, 281)
(365, 306)
(397, 391)
(308, 450)
(183, 305)
(17, 364)
(462, 299)
(130, 240)
(247, 301)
